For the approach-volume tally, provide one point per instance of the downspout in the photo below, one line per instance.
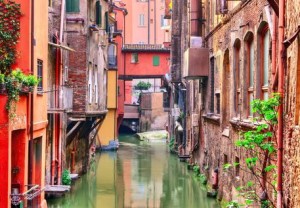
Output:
(62, 18)
(148, 22)
(274, 42)
(30, 179)
(56, 116)
(124, 59)
(280, 109)
(154, 22)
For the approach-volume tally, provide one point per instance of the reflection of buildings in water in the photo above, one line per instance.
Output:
(143, 177)
(106, 181)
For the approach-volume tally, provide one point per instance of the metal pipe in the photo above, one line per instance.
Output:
(274, 41)
(148, 21)
(30, 179)
(154, 21)
(62, 17)
(281, 59)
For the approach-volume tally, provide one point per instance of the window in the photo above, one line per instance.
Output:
(134, 58)
(212, 84)
(90, 89)
(96, 84)
(141, 20)
(40, 75)
(72, 5)
(98, 14)
(237, 85)
(265, 59)
(155, 60)
(163, 21)
(249, 60)
(112, 56)
(218, 108)
(237, 166)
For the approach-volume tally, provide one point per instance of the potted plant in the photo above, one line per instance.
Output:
(30, 81)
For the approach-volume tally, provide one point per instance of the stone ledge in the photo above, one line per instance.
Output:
(212, 119)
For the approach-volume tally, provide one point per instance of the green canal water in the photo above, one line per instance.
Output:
(139, 175)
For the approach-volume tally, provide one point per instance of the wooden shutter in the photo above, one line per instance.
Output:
(98, 13)
(155, 60)
(72, 5)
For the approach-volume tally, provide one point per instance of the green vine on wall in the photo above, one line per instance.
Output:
(12, 82)
(10, 13)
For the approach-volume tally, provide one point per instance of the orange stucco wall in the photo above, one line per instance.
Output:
(15, 134)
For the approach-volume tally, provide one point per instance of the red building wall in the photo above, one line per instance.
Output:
(145, 66)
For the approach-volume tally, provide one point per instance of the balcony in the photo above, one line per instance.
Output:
(196, 63)
(65, 97)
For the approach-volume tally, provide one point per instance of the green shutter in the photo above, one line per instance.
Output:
(155, 60)
(106, 22)
(72, 5)
(98, 13)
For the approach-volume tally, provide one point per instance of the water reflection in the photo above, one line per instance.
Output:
(139, 175)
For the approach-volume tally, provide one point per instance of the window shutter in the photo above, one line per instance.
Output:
(72, 5)
(98, 13)
(106, 22)
(155, 60)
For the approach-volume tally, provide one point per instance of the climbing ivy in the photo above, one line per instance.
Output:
(260, 147)
(10, 13)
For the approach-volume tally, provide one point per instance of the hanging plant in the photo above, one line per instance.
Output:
(10, 13)
(15, 83)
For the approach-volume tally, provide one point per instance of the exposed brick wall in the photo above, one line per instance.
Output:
(291, 129)
(78, 70)
(217, 134)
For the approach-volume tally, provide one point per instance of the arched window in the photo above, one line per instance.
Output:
(249, 70)
(263, 61)
(236, 76)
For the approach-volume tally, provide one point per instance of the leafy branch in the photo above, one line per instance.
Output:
(261, 148)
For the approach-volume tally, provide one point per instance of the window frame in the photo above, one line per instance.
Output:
(141, 20)
(249, 66)
(264, 61)
(237, 76)
(40, 72)
(134, 58)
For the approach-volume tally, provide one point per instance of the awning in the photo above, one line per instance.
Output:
(61, 46)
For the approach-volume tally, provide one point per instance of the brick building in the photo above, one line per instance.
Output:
(244, 60)
(78, 45)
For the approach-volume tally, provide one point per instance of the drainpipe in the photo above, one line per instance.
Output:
(30, 179)
(148, 22)
(58, 78)
(274, 42)
(280, 109)
(154, 22)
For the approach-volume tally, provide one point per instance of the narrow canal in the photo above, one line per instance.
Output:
(138, 175)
